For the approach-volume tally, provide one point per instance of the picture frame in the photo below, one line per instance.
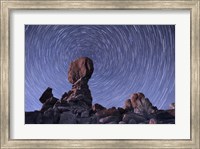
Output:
(8, 6)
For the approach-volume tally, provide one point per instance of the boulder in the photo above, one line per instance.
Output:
(107, 112)
(128, 105)
(121, 110)
(83, 120)
(67, 118)
(56, 115)
(31, 117)
(114, 122)
(162, 115)
(110, 119)
(48, 116)
(97, 107)
(62, 109)
(142, 105)
(46, 95)
(80, 68)
(134, 116)
(171, 112)
(122, 122)
(35, 117)
(132, 121)
(152, 121)
(49, 103)
(93, 120)
(65, 96)
(85, 114)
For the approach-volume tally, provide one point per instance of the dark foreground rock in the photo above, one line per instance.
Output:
(75, 106)
(56, 111)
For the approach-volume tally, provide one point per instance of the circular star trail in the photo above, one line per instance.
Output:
(127, 59)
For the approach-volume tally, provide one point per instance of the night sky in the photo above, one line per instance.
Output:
(127, 59)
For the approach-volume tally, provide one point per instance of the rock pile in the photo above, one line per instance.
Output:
(75, 106)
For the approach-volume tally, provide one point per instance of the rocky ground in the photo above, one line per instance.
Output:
(75, 106)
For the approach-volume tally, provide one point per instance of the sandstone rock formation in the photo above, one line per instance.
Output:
(80, 68)
(140, 104)
(75, 106)
(97, 107)
(80, 71)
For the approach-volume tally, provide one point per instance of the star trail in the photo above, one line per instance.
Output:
(127, 59)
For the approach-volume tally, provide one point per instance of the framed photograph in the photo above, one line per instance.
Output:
(100, 74)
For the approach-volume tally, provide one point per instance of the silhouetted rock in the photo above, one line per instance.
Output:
(49, 103)
(132, 121)
(121, 110)
(85, 113)
(134, 116)
(167, 121)
(164, 114)
(171, 112)
(97, 107)
(46, 95)
(86, 120)
(56, 111)
(31, 117)
(48, 116)
(110, 119)
(107, 112)
(67, 118)
(51, 116)
(80, 68)
(94, 120)
(65, 96)
(114, 122)
(39, 119)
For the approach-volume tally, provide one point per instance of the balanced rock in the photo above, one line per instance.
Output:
(80, 68)
(79, 73)
(75, 106)
(80, 92)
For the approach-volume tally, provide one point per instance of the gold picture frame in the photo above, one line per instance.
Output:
(193, 6)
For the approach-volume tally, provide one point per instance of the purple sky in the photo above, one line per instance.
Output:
(127, 59)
